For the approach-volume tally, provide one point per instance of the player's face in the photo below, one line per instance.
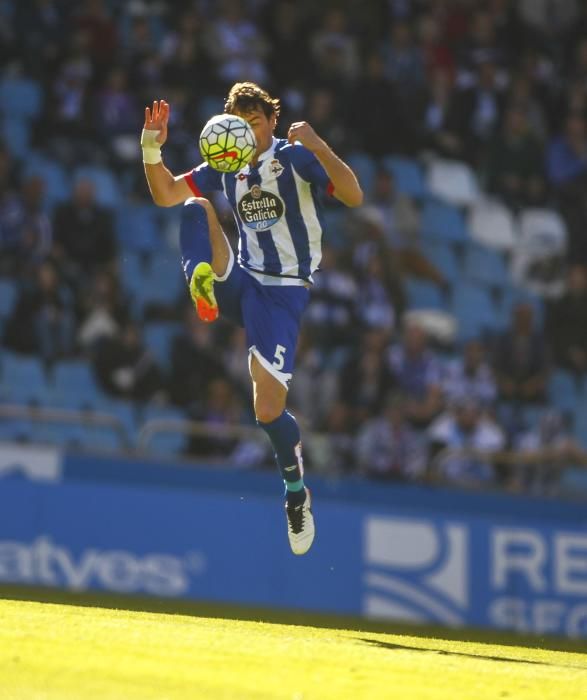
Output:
(263, 128)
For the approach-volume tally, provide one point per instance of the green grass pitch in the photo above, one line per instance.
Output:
(66, 652)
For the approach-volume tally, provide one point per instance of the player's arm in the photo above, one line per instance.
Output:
(346, 186)
(166, 189)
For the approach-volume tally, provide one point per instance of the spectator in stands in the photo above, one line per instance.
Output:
(324, 116)
(391, 124)
(375, 262)
(454, 434)
(117, 115)
(315, 386)
(194, 361)
(183, 53)
(544, 451)
(439, 121)
(514, 163)
(521, 360)
(94, 19)
(470, 375)
(289, 54)
(103, 310)
(84, 231)
(67, 125)
(479, 109)
(398, 217)
(416, 373)
(334, 50)
(221, 409)
(10, 211)
(43, 320)
(389, 448)
(567, 154)
(404, 62)
(376, 286)
(482, 45)
(365, 378)
(25, 228)
(331, 315)
(235, 358)
(566, 323)
(437, 53)
(236, 45)
(125, 367)
(337, 445)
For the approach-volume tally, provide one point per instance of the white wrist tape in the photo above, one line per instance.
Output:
(151, 147)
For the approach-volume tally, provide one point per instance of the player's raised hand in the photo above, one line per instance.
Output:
(305, 134)
(156, 119)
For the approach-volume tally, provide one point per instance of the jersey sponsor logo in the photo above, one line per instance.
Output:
(260, 209)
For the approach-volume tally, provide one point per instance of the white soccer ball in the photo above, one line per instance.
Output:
(227, 143)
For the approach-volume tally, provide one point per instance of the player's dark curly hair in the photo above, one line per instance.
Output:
(244, 97)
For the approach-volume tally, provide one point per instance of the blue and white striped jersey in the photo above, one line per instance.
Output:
(277, 210)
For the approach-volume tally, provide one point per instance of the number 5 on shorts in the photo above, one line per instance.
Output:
(279, 360)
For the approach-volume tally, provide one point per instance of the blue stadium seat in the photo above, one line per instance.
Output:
(57, 433)
(580, 423)
(573, 481)
(124, 411)
(57, 182)
(485, 266)
(165, 442)
(21, 369)
(108, 190)
(75, 378)
(20, 97)
(335, 227)
(15, 430)
(424, 295)
(562, 390)
(164, 282)
(408, 175)
(102, 438)
(137, 229)
(474, 310)
(8, 294)
(209, 105)
(443, 257)
(443, 222)
(158, 337)
(16, 134)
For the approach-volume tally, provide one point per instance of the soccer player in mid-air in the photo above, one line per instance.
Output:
(276, 205)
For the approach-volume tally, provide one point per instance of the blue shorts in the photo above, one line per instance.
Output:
(270, 314)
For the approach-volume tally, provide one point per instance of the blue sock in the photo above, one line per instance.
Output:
(194, 237)
(285, 438)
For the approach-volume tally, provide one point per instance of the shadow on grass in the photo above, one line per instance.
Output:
(285, 617)
(446, 652)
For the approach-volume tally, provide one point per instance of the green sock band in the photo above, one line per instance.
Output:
(294, 485)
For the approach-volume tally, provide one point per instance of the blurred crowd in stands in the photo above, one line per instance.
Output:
(500, 85)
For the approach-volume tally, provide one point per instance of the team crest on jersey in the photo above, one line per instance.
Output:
(260, 209)
(275, 167)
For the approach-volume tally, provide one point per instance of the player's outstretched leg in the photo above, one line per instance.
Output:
(284, 433)
(205, 254)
